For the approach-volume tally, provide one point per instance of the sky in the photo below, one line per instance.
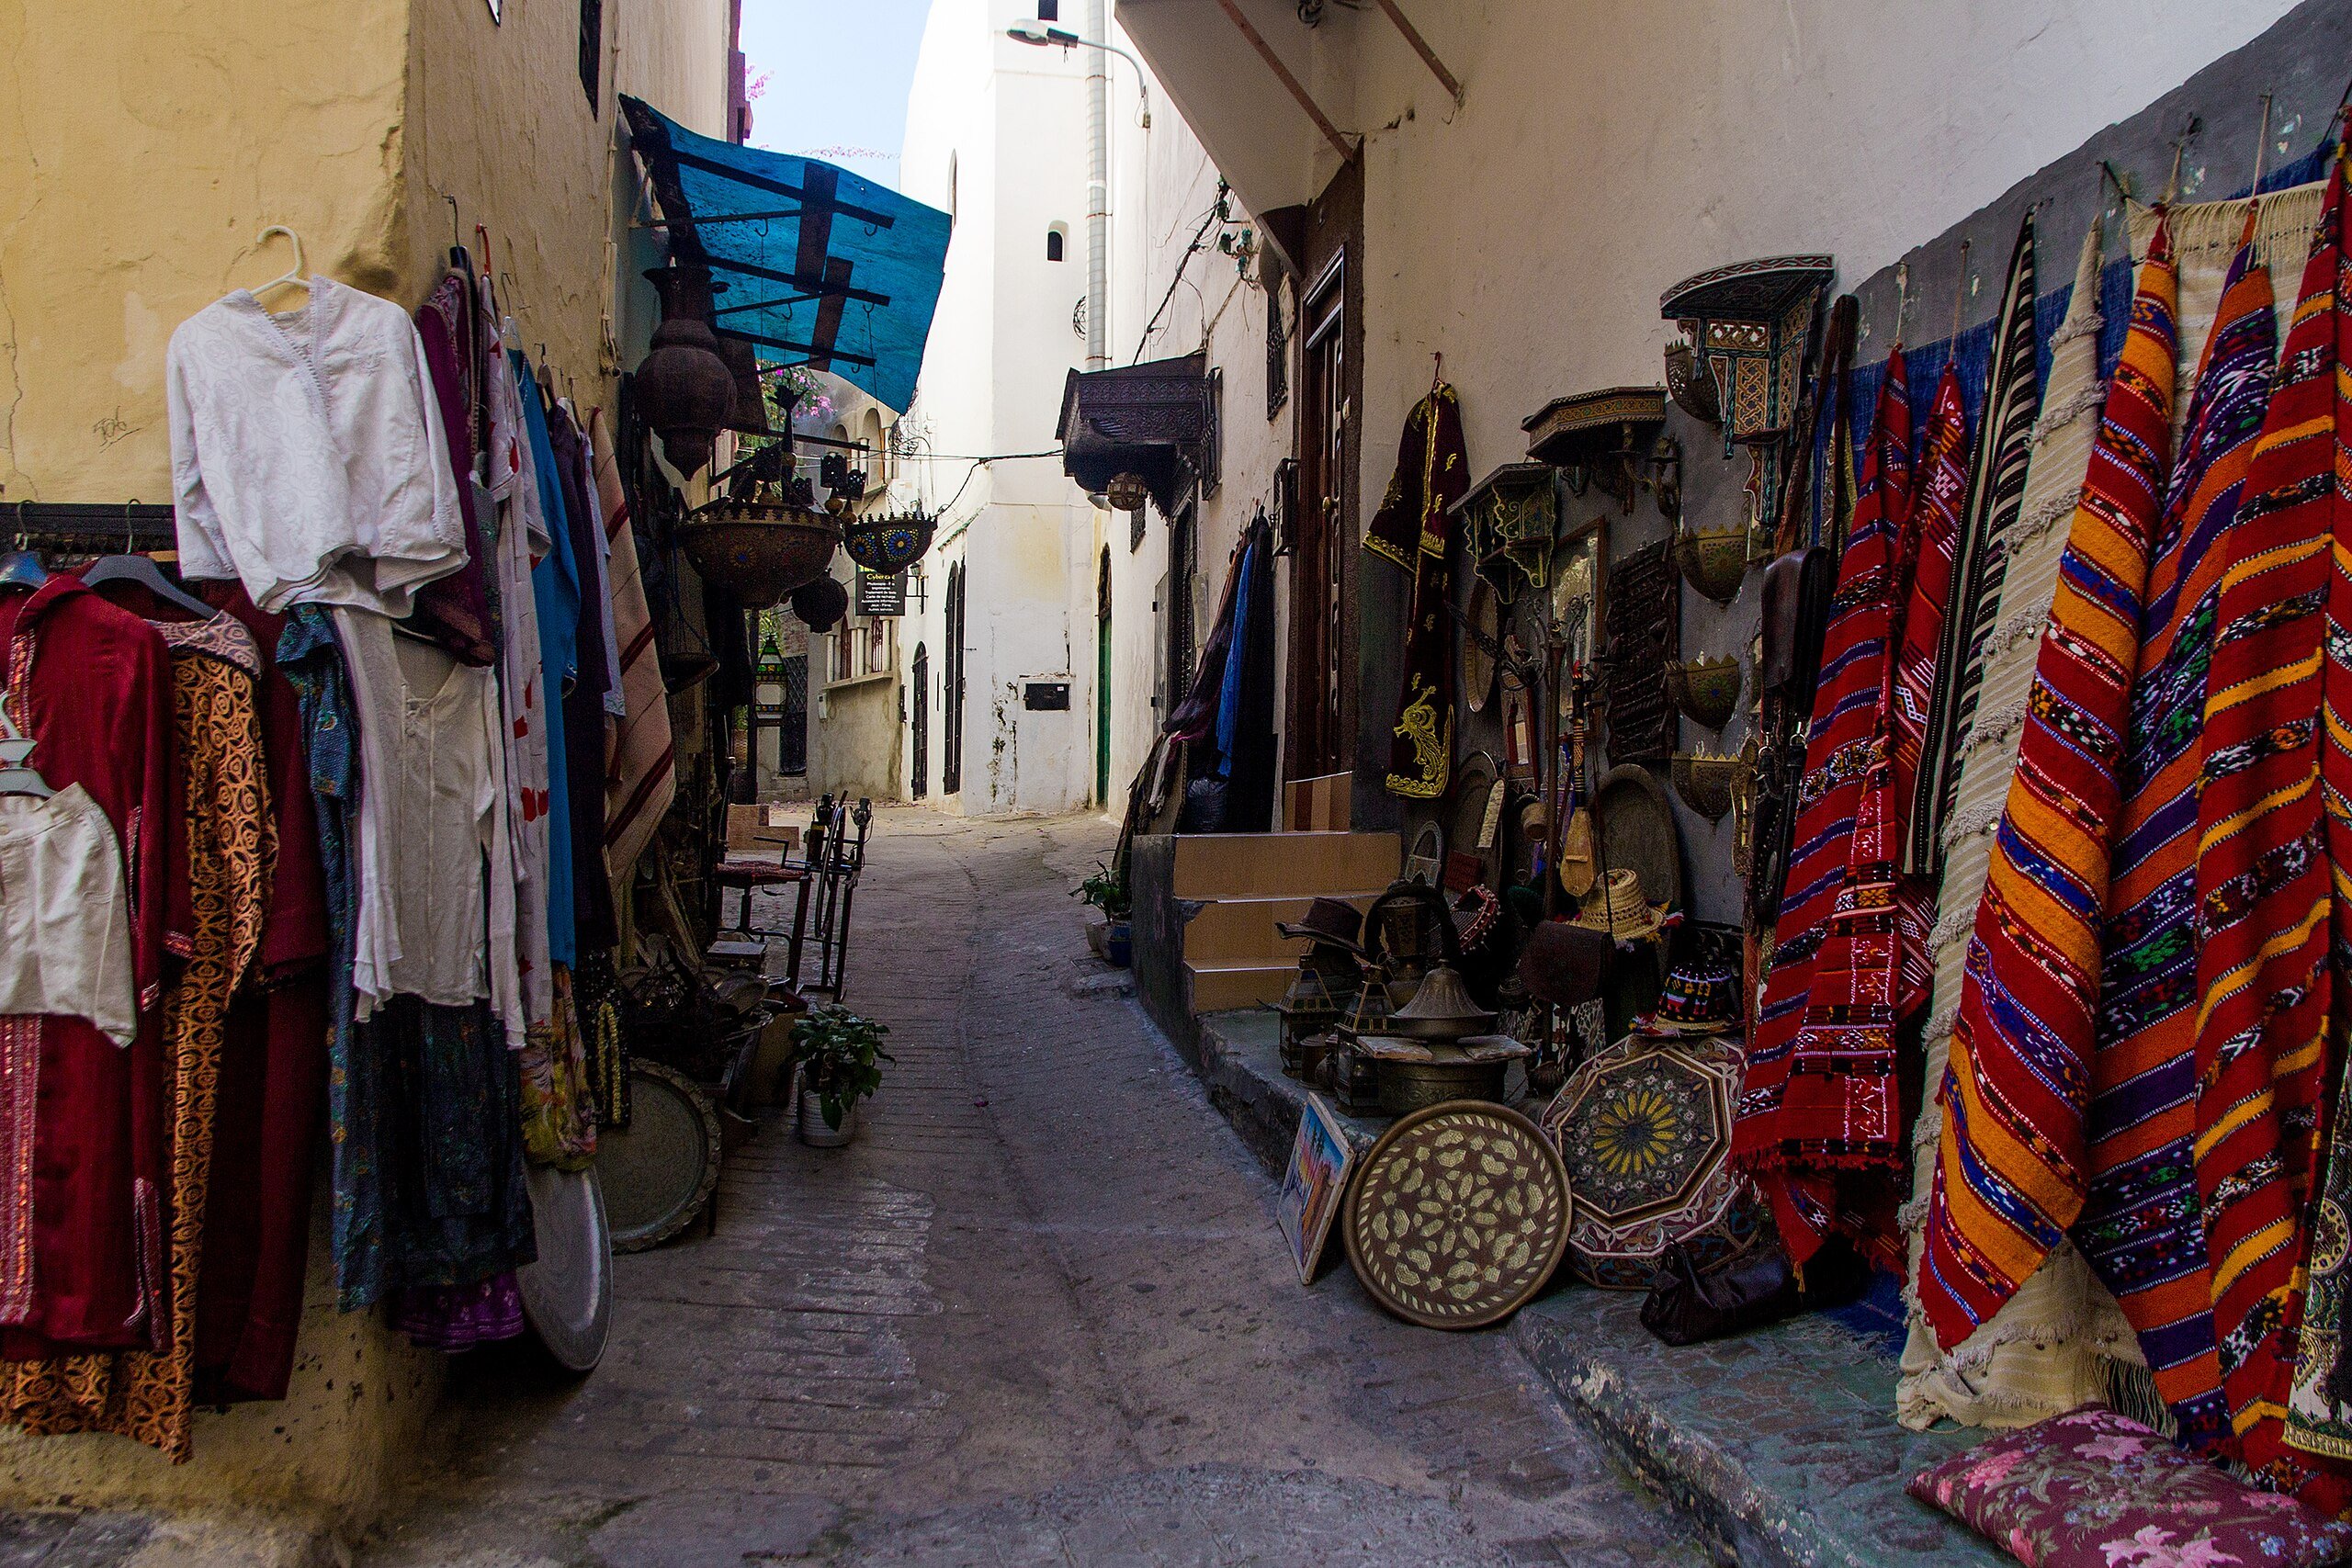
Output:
(830, 78)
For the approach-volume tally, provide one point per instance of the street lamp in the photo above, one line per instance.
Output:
(1044, 34)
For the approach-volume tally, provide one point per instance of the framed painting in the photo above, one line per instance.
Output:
(1320, 1158)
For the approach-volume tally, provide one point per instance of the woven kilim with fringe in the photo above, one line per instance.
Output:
(2263, 978)
(1848, 704)
(2143, 1223)
(1943, 494)
(1979, 557)
(2012, 1151)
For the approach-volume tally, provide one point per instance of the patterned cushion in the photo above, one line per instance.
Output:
(2092, 1489)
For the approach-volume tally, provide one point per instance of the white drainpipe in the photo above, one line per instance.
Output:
(1098, 187)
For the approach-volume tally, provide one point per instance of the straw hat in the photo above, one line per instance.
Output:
(1617, 908)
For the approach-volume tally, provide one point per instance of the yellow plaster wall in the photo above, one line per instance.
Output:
(500, 121)
(143, 144)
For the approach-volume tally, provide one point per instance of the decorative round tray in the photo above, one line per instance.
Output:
(1458, 1215)
(1637, 826)
(568, 1293)
(660, 1171)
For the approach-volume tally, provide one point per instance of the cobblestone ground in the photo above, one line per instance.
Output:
(1038, 1313)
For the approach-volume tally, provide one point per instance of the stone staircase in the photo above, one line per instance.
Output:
(1244, 883)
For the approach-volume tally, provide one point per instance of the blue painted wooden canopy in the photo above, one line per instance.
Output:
(822, 268)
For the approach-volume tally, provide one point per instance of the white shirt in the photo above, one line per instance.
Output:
(437, 888)
(307, 453)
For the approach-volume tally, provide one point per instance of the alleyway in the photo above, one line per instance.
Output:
(1038, 1314)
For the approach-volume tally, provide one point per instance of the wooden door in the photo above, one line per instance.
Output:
(1319, 713)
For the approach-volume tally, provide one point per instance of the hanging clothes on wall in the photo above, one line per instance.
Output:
(2264, 880)
(2057, 1343)
(307, 453)
(81, 1199)
(454, 611)
(586, 718)
(230, 845)
(1843, 745)
(2145, 1206)
(272, 1095)
(641, 779)
(1995, 490)
(1410, 530)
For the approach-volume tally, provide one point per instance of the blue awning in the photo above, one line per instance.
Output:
(822, 268)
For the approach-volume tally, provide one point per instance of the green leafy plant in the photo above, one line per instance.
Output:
(839, 1050)
(1106, 890)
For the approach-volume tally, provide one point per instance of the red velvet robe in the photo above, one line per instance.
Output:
(93, 685)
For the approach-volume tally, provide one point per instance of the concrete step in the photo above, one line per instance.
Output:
(1242, 930)
(1274, 865)
(1222, 987)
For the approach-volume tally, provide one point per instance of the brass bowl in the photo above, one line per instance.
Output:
(758, 552)
(1705, 782)
(1706, 690)
(1714, 564)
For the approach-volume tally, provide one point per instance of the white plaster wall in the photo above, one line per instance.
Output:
(1013, 120)
(1529, 232)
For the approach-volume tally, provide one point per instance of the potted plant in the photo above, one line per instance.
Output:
(1107, 890)
(838, 1051)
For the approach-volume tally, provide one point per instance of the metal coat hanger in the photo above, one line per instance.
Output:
(292, 278)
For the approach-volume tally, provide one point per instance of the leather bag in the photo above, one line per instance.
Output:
(1686, 1307)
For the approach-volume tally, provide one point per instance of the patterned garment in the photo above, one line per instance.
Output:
(230, 847)
(643, 775)
(558, 1102)
(1841, 1111)
(2143, 1223)
(459, 1317)
(313, 661)
(1996, 495)
(1844, 741)
(2013, 1148)
(2056, 1342)
(2319, 1418)
(456, 1206)
(2262, 981)
(1409, 529)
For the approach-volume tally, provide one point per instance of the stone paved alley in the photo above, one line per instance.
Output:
(1038, 1313)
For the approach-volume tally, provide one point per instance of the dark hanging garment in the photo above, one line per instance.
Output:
(1195, 718)
(585, 720)
(1409, 529)
(454, 611)
(273, 1077)
(1250, 753)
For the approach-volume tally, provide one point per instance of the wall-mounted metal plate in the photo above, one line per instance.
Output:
(1046, 697)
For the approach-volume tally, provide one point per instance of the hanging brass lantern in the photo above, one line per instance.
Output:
(1127, 493)
(685, 388)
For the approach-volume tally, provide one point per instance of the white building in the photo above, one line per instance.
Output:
(999, 662)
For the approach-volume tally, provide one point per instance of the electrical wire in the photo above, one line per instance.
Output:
(1216, 215)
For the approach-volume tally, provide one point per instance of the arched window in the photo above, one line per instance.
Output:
(1056, 237)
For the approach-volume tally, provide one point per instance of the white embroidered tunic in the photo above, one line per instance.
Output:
(306, 452)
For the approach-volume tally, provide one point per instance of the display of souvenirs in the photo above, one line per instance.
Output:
(1644, 616)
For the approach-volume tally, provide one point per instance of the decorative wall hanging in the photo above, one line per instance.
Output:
(1482, 635)
(1426, 859)
(1705, 782)
(1458, 1215)
(889, 545)
(1705, 690)
(1713, 563)
(1605, 440)
(1467, 830)
(1644, 622)
(1643, 1130)
(1510, 519)
(1748, 324)
(1636, 829)
(1520, 759)
(1577, 563)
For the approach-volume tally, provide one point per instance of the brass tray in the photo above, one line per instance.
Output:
(1458, 1215)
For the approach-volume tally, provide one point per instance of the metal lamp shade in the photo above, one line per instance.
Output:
(760, 552)
(888, 545)
(820, 604)
(685, 387)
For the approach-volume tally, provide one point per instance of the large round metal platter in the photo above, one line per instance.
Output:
(568, 1293)
(658, 1171)
(1458, 1215)
(1637, 828)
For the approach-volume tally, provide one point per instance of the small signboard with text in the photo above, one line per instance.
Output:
(880, 595)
